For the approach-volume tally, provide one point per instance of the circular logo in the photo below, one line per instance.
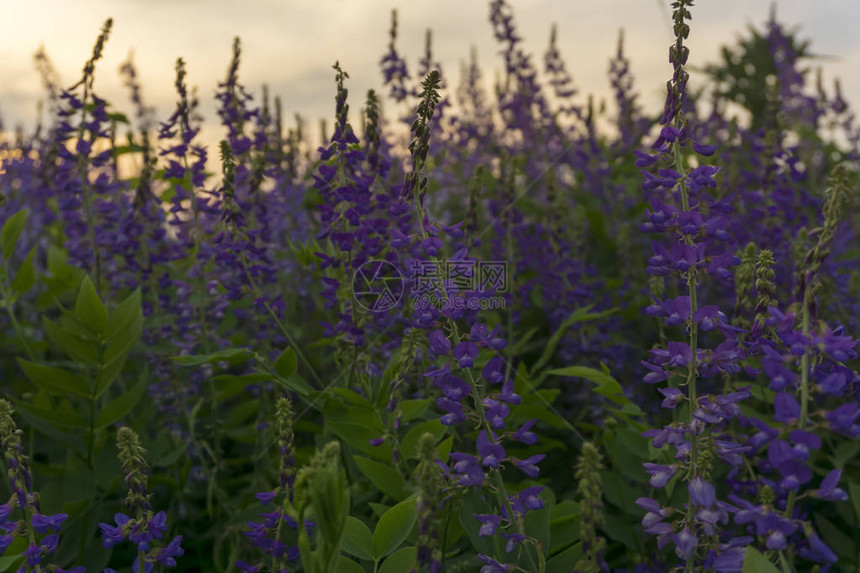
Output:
(377, 286)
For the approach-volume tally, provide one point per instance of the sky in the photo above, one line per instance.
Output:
(291, 44)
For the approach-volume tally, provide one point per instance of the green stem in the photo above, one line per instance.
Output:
(85, 193)
(694, 335)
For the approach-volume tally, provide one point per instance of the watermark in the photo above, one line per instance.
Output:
(458, 302)
(459, 276)
(444, 284)
(377, 286)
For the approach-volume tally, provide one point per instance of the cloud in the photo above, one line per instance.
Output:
(291, 45)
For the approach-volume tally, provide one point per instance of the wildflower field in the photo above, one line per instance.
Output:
(470, 330)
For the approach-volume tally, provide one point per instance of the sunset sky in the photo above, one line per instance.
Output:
(292, 44)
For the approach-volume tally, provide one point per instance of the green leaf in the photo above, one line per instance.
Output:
(474, 503)
(226, 355)
(55, 380)
(393, 528)
(25, 276)
(564, 525)
(386, 479)
(607, 386)
(107, 374)
(124, 328)
(78, 482)
(579, 315)
(537, 523)
(400, 561)
(755, 562)
(8, 561)
(844, 452)
(347, 565)
(358, 436)
(564, 561)
(89, 308)
(413, 408)
(121, 406)
(357, 539)
(230, 385)
(835, 536)
(295, 384)
(854, 493)
(71, 344)
(11, 231)
(171, 457)
(409, 443)
(63, 416)
(287, 364)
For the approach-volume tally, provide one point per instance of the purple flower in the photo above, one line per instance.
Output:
(786, 408)
(673, 397)
(730, 561)
(266, 497)
(465, 352)
(844, 420)
(167, 555)
(660, 474)
(468, 467)
(493, 566)
(513, 539)
(495, 412)
(704, 150)
(529, 497)
(489, 523)
(454, 411)
(439, 343)
(702, 493)
(528, 466)
(679, 353)
(493, 370)
(525, 435)
(42, 523)
(491, 452)
(685, 544)
(507, 394)
(828, 490)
